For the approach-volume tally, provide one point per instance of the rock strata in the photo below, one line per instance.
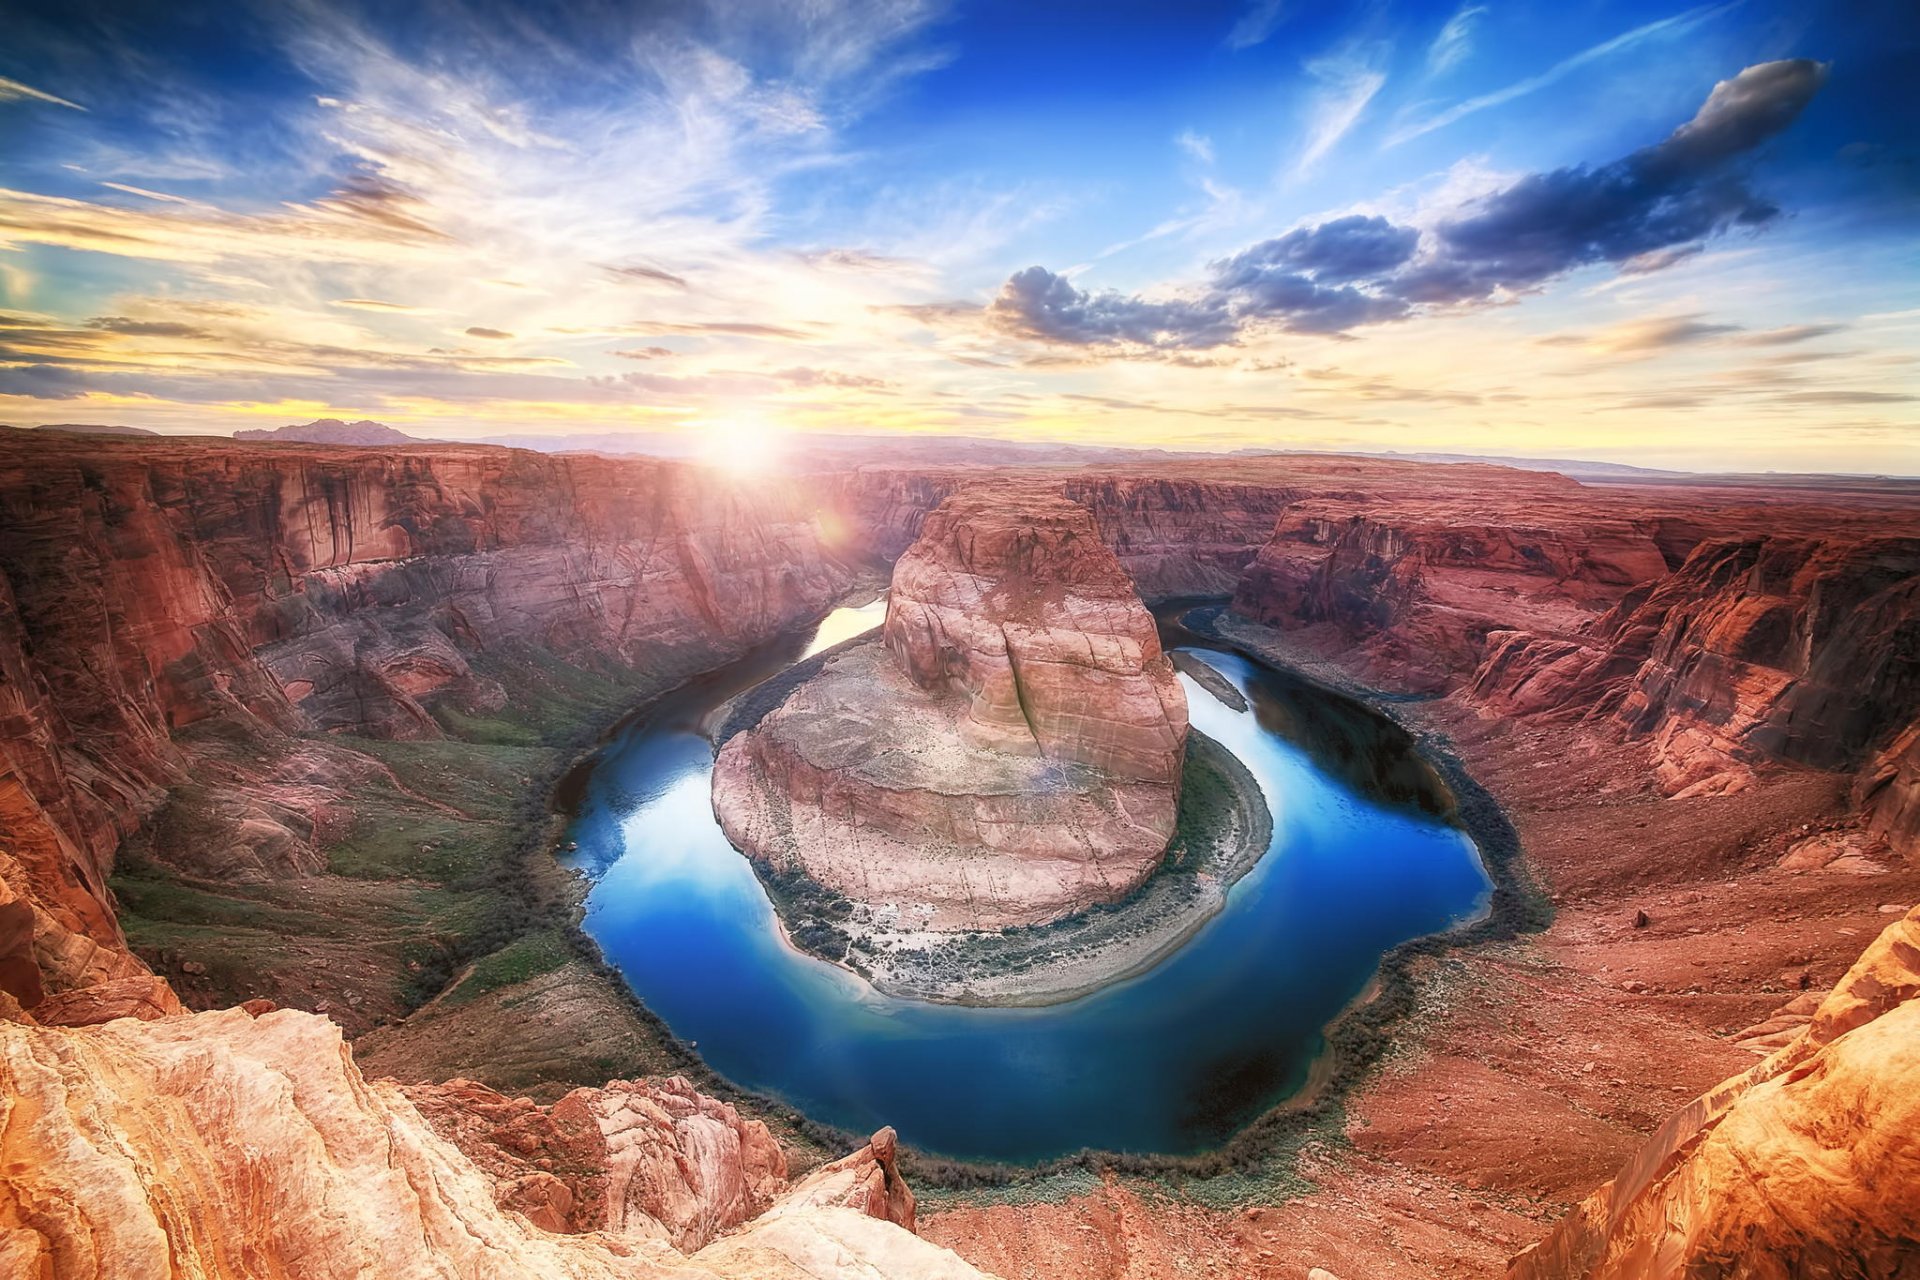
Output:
(218, 1146)
(1010, 754)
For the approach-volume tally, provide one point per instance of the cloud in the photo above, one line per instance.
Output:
(1656, 205)
(1197, 145)
(1455, 40)
(374, 304)
(147, 328)
(481, 331)
(731, 328)
(647, 274)
(1678, 24)
(1350, 248)
(1256, 23)
(1790, 334)
(1348, 82)
(645, 353)
(1643, 336)
(14, 91)
(1675, 193)
(142, 192)
(1036, 303)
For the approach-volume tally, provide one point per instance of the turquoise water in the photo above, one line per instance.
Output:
(1171, 1061)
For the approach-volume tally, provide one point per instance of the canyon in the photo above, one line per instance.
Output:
(268, 713)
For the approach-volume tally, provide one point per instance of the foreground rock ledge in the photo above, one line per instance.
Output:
(1010, 755)
(218, 1145)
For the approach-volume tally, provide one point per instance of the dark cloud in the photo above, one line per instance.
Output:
(42, 382)
(1038, 304)
(1676, 193)
(1351, 248)
(1641, 213)
(480, 331)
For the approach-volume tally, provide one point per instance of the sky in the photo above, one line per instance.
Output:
(1638, 232)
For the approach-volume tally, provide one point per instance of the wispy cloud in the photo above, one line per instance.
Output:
(1347, 82)
(1455, 40)
(1256, 23)
(14, 91)
(1197, 145)
(1664, 28)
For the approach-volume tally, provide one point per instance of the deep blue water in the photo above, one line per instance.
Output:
(1171, 1061)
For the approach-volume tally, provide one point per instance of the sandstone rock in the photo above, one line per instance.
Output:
(1020, 606)
(651, 1159)
(217, 1146)
(1424, 584)
(1011, 755)
(868, 1181)
(1809, 1164)
(141, 996)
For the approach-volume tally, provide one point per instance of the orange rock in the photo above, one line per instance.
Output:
(1807, 1165)
(141, 996)
(217, 1146)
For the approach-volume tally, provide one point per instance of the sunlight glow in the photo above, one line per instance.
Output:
(741, 443)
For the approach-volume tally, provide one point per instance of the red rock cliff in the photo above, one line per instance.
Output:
(149, 587)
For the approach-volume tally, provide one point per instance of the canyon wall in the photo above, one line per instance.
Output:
(1175, 534)
(1796, 649)
(161, 597)
(1419, 583)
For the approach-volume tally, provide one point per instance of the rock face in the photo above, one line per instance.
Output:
(153, 587)
(215, 1146)
(1011, 754)
(1027, 613)
(1420, 587)
(1174, 534)
(1755, 649)
(637, 1158)
(1807, 1165)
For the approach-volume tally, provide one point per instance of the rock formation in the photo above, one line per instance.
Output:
(153, 588)
(1421, 586)
(1012, 754)
(651, 1158)
(217, 1146)
(1807, 1165)
(1754, 650)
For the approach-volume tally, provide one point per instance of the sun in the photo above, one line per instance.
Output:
(744, 444)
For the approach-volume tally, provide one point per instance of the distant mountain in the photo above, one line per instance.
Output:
(842, 450)
(333, 431)
(95, 429)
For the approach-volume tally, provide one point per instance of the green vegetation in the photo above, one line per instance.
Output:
(523, 959)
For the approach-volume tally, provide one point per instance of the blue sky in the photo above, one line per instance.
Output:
(1674, 235)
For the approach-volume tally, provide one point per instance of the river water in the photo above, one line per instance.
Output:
(1171, 1061)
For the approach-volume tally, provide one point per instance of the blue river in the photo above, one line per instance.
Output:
(1171, 1061)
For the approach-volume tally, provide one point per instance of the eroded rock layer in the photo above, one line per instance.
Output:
(152, 589)
(217, 1146)
(1010, 754)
